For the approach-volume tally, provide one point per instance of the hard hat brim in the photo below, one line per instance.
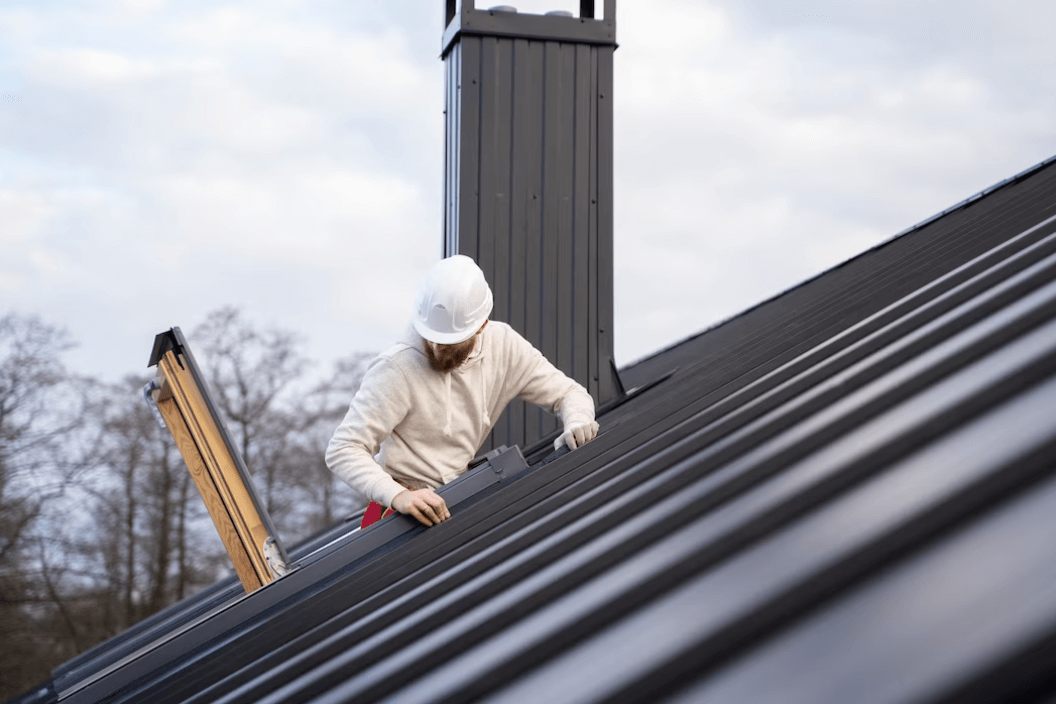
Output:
(442, 338)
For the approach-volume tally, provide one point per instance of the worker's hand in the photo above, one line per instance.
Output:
(424, 504)
(577, 434)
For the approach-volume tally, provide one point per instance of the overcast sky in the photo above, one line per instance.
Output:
(159, 159)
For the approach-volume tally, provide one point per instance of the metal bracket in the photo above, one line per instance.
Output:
(506, 461)
(273, 557)
(148, 390)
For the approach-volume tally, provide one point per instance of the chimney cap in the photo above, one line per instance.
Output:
(462, 18)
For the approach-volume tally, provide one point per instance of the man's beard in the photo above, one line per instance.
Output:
(446, 358)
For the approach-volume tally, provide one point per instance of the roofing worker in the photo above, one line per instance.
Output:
(427, 404)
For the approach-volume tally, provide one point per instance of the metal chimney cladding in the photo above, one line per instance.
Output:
(529, 185)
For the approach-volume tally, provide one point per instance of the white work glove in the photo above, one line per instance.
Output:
(577, 434)
(424, 504)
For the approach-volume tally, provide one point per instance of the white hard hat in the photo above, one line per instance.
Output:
(453, 302)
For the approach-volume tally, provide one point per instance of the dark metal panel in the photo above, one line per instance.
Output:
(520, 202)
(456, 150)
(43, 693)
(606, 386)
(805, 564)
(593, 354)
(897, 342)
(136, 637)
(551, 115)
(551, 226)
(809, 323)
(445, 199)
(491, 81)
(499, 231)
(467, 229)
(801, 375)
(522, 124)
(534, 246)
(943, 620)
(502, 107)
(580, 253)
(565, 176)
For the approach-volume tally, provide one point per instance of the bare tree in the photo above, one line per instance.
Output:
(320, 412)
(100, 524)
(144, 514)
(249, 371)
(38, 411)
(31, 380)
(255, 377)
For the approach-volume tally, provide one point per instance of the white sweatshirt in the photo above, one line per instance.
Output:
(412, 427)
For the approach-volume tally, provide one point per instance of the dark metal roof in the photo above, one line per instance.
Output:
(843, 495)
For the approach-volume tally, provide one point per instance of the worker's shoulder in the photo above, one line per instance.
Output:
(502, 331)
(500, 334)
(497, 328)
(504, 337)
(400, 348)
(401, 356)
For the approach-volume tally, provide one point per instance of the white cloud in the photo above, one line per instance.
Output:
(77, 66)
(235, 157)
(169, 158)
(144, 6)
(768, 142)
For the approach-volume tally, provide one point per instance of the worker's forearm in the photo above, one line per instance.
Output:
(356, 467)
(577, 406)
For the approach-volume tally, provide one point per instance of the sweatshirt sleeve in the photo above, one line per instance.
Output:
(380, 404)
(543, 384)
